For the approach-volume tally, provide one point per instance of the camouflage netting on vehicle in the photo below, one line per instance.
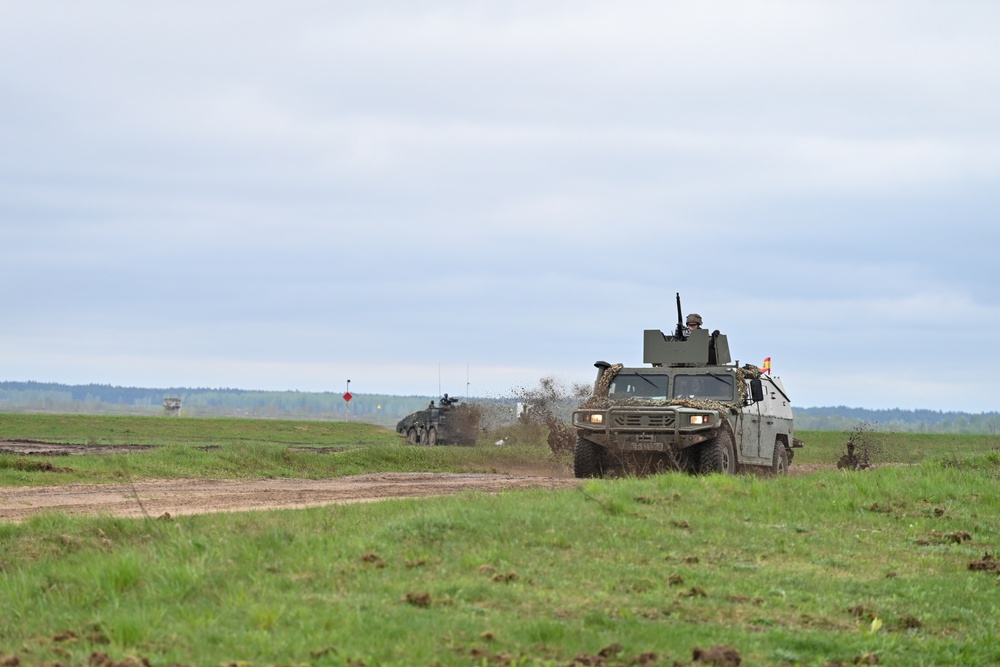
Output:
(748, 372)
(602, 387)
(599, 399)
(703, 404)
(603, 402)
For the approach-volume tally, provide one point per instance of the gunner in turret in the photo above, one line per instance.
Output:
(694, 321)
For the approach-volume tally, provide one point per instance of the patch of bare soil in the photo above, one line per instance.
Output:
(802, 469)
(177, 497)
(987, 564)
(722, 656)
(31, 448)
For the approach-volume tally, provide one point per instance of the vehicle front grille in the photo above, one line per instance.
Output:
(643, 420)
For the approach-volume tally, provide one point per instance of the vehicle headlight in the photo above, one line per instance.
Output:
(697, 420)
(596, 419)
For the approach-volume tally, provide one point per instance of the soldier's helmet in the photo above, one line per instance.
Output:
(694, 317)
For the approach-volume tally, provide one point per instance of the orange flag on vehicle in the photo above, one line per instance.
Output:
(766, 368)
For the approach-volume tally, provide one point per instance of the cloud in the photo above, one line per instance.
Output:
(243, 194)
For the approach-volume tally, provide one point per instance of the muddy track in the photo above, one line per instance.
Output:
(176, 497)
(198, 496)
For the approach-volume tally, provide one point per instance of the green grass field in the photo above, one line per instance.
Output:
(827, 446)
(263, 448)
(131, 430)
(233, 449)
(831, 568)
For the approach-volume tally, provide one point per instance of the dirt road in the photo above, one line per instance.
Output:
(176, 497)
(199, 496)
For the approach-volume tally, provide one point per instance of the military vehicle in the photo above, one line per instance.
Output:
(444, 424)
(692, 409)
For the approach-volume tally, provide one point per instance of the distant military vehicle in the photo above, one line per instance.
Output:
(692, 410)
(444, 424)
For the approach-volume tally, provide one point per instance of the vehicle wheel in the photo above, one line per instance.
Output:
(432, 437)
(717, 455)
(588, 458)
(412, 437)
(779, 466)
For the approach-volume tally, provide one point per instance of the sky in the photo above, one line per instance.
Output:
(465, 197)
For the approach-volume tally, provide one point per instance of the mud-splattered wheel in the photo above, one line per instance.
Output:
(412, 436)
(717, 455)
(588, 458)
(779, 465)
(432, 437)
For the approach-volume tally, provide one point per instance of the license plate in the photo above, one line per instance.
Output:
(643, 446)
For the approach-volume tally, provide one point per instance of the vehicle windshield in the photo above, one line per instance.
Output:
(710, 386)
(637, 385)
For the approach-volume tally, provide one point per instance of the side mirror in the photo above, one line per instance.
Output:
(756, 391)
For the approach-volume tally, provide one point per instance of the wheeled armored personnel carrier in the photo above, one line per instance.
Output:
(446, 423)
(691, 409)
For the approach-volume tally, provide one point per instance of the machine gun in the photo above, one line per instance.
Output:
(681, 333)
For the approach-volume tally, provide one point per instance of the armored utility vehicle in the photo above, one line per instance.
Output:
(444, 424)
(692, 409)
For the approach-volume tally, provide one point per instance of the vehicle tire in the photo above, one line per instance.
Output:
(779, 465)
(588, 458)
(432, 437)
(412, 437)
(717, 455)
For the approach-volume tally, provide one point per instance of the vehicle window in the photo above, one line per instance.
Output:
(638, 385)
(711, 386)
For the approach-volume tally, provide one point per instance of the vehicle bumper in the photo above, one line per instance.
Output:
(645, 429)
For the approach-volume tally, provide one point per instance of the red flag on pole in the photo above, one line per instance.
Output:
(766, 368)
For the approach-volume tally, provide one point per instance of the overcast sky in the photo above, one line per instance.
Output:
(471, 195)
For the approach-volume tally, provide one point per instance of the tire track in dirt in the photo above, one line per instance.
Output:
(179, 497)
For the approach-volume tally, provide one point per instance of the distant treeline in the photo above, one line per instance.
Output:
(205, 402)
(386, 409)
(843, 418)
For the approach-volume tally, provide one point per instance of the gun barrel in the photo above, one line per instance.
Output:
(679, 332)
